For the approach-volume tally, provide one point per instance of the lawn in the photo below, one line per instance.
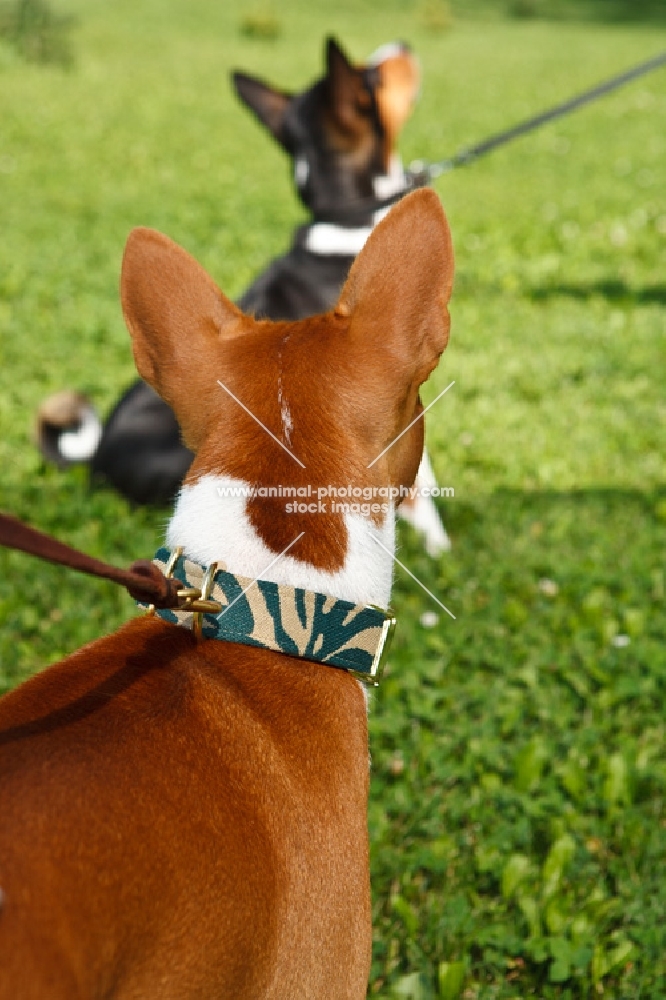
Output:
(517, 812)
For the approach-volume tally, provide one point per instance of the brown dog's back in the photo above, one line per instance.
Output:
(185, 800)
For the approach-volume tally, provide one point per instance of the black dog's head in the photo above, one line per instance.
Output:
(340, 132)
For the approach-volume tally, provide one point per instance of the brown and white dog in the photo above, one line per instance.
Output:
(185, 817)
(341, 135)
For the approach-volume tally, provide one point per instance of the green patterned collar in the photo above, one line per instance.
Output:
(286, 619)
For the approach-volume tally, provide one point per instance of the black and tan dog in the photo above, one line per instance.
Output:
(340, 135)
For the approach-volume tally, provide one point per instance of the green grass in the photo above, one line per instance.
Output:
(519, 774)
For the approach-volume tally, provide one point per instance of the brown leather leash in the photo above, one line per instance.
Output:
(144, 581)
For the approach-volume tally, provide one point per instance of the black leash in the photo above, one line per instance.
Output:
(421, 173)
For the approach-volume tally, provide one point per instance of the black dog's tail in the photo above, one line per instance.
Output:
(138, 450)
(68, 429)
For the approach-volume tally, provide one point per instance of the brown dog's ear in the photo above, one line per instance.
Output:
(268, 104)
(398, 289)
(179, 320)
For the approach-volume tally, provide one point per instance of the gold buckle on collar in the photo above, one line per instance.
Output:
(373, 676)
(201, 601)
(193, 599)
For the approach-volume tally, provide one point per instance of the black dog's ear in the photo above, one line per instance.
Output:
(268, 104)
(347, 90)
(337, 63)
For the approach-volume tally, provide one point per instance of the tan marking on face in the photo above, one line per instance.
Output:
(399, 81)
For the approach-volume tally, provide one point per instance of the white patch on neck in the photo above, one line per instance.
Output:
(390, 183)
(214, 528)
(80, 445)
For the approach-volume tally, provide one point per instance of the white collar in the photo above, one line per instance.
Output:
(325, 239)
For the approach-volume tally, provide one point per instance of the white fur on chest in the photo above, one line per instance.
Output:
(215, 528)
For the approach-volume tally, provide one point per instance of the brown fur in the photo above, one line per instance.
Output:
(184, 819)
(154, 839)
